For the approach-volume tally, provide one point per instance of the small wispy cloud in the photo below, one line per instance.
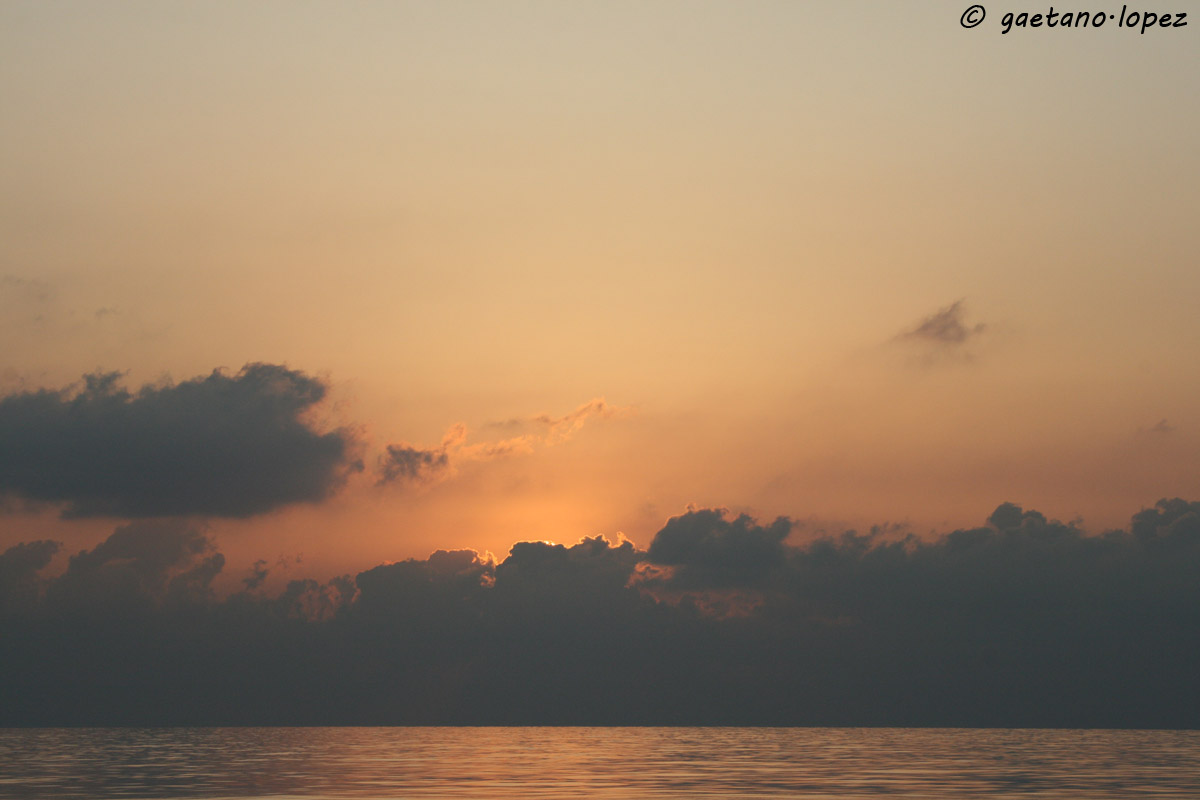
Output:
(945, 327)
(1160, 428)
(943, 335)
(27, 289)
(409, 464)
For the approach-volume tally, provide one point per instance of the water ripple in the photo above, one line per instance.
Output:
(608, 763)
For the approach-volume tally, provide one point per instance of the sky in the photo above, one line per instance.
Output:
(337, 285)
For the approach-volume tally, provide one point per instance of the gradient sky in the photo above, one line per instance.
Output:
(847, 262)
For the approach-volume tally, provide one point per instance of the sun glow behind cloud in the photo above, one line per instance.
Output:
(301, 307)
(884, 281)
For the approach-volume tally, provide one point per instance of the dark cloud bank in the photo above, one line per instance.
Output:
(221, 445)
(1019, 622)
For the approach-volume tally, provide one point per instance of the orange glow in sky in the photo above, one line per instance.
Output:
(584, 264)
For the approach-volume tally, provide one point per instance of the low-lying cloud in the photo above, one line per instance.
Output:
(1021, 621)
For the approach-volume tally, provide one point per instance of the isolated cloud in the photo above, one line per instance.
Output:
(25, 290)
(221, 445)
(408, 464)
(403, 463)
(945, 327)
(1160, 428)
(943, 336)
(1021, 621)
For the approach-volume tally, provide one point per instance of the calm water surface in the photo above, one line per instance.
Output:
(596, 763)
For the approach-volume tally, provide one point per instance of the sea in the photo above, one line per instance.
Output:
(611, 763)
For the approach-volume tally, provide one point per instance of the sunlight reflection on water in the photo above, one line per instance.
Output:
(596, 763)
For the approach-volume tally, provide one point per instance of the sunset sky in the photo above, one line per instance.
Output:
(546, 270)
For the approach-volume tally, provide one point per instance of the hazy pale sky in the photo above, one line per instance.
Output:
(848, 262)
